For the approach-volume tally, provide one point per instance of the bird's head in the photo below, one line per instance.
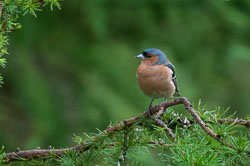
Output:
(152, 56)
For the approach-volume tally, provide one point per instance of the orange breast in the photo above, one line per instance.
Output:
(155, 81)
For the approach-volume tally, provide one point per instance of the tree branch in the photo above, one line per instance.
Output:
(162, 124)
(1, 8)
(242, 122)
(125, 148)
(159, 109)
(165, 126)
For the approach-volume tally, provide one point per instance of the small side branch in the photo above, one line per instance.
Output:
(189, 108)
(1, 8)
(163, 124)
(43, 153)
(125, 148)
(242, 122)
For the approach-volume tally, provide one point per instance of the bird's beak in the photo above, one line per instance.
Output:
(140, 56)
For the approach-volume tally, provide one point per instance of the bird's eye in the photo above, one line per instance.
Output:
(146, 55)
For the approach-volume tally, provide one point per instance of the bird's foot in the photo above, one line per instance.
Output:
(150, 107)
(149, 110)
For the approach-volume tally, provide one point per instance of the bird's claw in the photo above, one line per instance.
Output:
(149, 111)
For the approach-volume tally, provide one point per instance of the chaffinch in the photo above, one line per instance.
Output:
(156, 75)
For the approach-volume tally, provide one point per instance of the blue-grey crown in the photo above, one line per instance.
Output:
(162, 57)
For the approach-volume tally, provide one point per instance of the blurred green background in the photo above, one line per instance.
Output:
(72, 71)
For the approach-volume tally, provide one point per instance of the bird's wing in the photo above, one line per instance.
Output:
(172, 68)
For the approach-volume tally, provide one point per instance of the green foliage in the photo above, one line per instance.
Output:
(74, 70)
(3, 50)
(2, 155)
(11, 10)
(150, 145)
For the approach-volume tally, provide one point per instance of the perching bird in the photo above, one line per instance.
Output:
(156, 75)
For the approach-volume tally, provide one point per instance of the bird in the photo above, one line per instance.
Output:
(156, 75)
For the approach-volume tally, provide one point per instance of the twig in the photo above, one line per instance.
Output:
(165, 126)
(125, 148)
(34, 154)
(9, 30)
(162, 124)
(189, 108)
(1, 8)
(39, 153)
(242, 122)
(160, 113)
(129, 122)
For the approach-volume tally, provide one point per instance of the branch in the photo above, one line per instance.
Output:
(125, 148)
(162, 124)
(165, 126)
(189, 108)
(159, 109)
(19, 7)
(1, 8)
(242, 122)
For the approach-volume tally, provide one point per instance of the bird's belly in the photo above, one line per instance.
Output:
(156, 85)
